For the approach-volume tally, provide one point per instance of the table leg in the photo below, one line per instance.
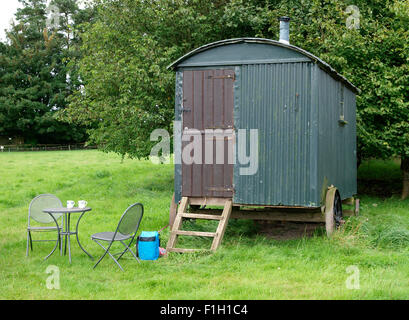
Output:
(69, 236)
(61, 235)
(78, 240)
(65, 242)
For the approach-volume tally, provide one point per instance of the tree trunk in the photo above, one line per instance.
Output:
(404, 166)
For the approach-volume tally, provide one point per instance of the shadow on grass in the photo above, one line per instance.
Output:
(380, 178)
(380, 188)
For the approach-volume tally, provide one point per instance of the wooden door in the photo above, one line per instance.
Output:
(208, 105)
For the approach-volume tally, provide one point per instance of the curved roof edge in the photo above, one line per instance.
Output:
(325, 66)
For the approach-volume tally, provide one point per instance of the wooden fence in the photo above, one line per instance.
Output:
(45, 147)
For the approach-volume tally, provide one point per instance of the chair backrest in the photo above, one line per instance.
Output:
(131, 219)
(43, 201)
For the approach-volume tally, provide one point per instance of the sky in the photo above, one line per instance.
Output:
(7, 10)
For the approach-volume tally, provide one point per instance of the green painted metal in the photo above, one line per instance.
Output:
(252, 51)
(276, 100)
(296, 102)
(336, 154)
(243, 53)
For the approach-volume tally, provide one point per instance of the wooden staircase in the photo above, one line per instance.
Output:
(182, 214)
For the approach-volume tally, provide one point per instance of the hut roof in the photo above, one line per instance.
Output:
(322, 64)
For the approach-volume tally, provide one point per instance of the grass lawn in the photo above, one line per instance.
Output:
(247, 266)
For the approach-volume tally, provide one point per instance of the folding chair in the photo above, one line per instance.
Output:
(127, 228)
(35, 212)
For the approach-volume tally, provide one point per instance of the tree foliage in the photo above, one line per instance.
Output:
(35, 79)
(128, 91)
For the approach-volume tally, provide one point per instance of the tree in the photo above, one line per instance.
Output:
(128, 91)
(33, 79)
(375, 58)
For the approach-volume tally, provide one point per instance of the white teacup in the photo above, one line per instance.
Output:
(82, 204)
(70, 204)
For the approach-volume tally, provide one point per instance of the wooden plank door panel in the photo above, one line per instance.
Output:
(208, 104)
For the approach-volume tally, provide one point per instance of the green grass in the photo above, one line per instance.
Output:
(247, 266)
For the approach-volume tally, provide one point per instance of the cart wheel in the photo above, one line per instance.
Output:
(333, 211)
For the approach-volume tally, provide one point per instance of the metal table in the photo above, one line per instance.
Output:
(66, 229)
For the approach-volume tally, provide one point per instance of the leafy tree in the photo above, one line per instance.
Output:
(128, 91)
(375, 58)
(33, 77)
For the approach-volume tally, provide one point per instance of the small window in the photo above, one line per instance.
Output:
(342, 106)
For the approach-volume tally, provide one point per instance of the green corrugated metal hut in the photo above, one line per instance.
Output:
(305, 113)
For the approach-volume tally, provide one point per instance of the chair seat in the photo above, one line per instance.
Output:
(107, 236)
(43, 228)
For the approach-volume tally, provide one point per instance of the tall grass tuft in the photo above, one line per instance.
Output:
(358, 231)
(389, 236)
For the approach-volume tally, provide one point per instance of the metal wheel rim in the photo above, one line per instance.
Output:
(337, 209)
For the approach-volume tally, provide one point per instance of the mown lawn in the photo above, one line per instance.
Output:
(247, 266)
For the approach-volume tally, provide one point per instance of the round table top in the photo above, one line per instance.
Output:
(67, 210)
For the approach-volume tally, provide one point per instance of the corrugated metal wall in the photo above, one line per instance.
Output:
(336, 141)
(276, 99)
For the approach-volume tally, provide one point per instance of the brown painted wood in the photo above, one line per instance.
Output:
(211, 201)
(208, 102)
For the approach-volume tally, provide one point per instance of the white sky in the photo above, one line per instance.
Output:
(7, 10)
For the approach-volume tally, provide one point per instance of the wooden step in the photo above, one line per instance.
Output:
(184, 250)
(221, 228)
(207, 201)
(195, 233)
(217, 236)
(201, 216)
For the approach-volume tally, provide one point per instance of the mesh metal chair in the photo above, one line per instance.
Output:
(127, 228)
(35, 212)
